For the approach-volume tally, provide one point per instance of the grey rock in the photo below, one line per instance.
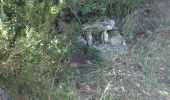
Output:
(105, 37)
(115, 38)
(113, 42)
(89, 38)
(116, 49)
(102, 27)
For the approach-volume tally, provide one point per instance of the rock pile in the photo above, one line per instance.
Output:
(111, 43)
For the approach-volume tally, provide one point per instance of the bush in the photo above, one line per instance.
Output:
(32, 61)
(88, 10)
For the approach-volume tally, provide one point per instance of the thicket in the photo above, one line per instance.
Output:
(33, 62)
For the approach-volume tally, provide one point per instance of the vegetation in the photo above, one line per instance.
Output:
(35, 51)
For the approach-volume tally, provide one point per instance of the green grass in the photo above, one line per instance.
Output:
(37, 67)
(137, 76)
(141, 74)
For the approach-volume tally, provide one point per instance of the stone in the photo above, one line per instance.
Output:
(105, 37)
(115, 38)
(89, 38)
(102, 27)
(113, 42)
(108, 52)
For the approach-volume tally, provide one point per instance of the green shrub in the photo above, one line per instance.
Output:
(31, 60)
(34, 62)
(88, 10)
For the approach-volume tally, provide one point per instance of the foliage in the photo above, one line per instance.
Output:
(31, 60)
(34, 62)
(88, 10)
(119, 9)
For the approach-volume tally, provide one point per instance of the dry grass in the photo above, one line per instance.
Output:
(141, 74)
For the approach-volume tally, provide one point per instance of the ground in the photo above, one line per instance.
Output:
(141, 74)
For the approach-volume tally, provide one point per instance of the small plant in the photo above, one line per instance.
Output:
(33, 62)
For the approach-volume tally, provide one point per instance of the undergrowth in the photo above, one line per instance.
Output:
(34, 62)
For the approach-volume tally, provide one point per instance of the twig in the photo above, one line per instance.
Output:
(75, 15)
(108, 86)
